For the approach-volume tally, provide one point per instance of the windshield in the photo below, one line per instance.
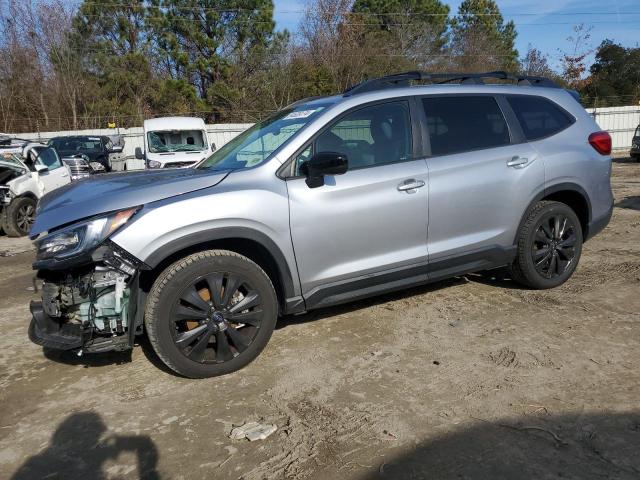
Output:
(12, 158)
(162, 141)
(75, 145)
(255, 145)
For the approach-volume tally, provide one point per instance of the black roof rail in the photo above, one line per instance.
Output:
(305, 100)
(405, 79)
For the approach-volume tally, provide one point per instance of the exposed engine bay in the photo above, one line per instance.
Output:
(89, 309)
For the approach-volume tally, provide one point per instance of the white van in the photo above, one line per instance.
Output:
(172, 142)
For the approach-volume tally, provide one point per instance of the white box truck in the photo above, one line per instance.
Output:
(174, 142)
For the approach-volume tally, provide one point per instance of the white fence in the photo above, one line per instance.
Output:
(620, 122)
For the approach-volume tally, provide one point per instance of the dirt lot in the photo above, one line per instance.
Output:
(469, 378)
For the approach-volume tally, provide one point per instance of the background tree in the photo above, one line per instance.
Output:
(574, 59)
(112, 35)
(615, 76)
(202, 40)
(536, 63)
(414, 30)
(481, 40)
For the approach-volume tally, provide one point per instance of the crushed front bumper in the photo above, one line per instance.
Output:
(95, 307)
(50, 333)
(47, 332)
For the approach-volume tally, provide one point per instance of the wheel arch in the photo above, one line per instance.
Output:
(30, 195)
(254, 245)
(570, 194)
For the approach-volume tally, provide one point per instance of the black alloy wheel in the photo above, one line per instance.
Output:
(216, 317)
(211, 313)
(548, 245)
(554, 243)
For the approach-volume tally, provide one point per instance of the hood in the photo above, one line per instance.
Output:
(116, 191)
(10, 171)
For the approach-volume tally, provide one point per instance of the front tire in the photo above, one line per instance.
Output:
(19, 217)
(211, 313)
(549, 245)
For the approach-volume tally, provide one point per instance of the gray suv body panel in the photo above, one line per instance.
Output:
(359, 234)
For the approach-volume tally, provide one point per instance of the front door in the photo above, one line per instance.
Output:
(368, 227)
(57, 174)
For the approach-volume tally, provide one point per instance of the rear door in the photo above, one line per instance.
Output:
(365, 229)
(482, 176)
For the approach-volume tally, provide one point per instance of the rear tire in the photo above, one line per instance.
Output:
(549, 245)
(211, 313)
(19, 216)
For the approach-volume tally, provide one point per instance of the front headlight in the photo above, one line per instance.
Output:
(153, 164)
(81, 237)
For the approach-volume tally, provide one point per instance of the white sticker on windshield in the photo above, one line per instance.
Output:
(300, 114)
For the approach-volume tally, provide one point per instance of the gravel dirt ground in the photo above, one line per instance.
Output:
(468, 378)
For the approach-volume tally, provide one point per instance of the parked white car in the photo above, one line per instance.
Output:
(173, 142)
(26, 174)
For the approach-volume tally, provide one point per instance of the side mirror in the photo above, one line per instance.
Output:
(321, 164)
(213, 147)
(139, 154)
(117, 149)
(40, 168)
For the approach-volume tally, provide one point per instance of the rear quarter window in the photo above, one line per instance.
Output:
(538, 116)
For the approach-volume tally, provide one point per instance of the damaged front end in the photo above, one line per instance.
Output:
(90, 296)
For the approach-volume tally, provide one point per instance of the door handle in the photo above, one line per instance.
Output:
(517, 162)
(410, 185)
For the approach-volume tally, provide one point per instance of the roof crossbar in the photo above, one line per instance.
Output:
(405, 79)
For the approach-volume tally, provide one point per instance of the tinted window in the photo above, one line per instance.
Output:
(458, 124)
(371, 136)
(538, 116)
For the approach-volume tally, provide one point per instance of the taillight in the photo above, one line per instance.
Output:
(601, 142)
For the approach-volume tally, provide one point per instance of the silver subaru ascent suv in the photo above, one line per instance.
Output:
(332, 199)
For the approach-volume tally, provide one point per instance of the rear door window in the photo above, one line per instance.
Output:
(538, 116)
(464, 123)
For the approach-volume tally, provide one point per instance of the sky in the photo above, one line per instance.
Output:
(545, 24)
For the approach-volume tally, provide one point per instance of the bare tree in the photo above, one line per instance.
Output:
(574, 60)
(536, 63)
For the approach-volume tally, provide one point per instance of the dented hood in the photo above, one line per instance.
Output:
(116, 191)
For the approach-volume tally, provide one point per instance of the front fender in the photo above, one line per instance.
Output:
(166, 227)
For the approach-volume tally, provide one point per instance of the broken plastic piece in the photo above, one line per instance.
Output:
(253, 431)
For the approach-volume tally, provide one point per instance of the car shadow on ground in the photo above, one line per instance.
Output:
(353, 306)
(498, 278)
(624, 160)
(93, 360)
(80, 447)
(87, 359)
(581, 446)
(631, 203)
